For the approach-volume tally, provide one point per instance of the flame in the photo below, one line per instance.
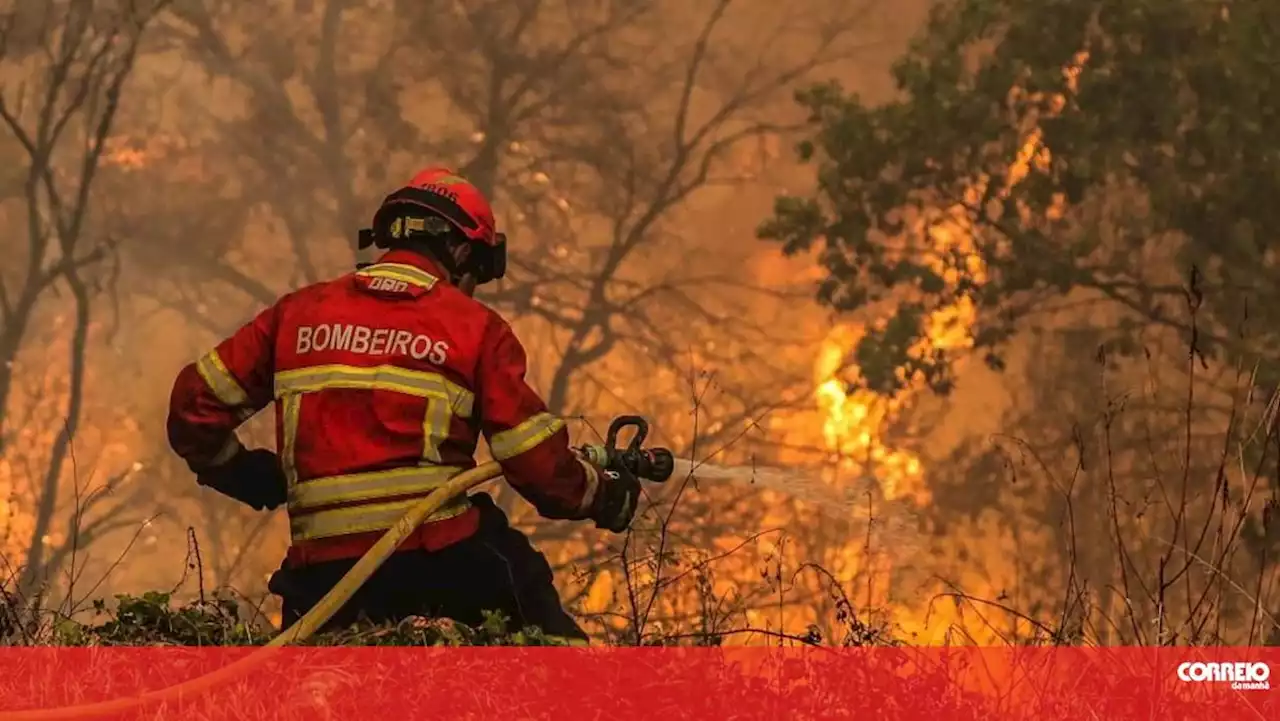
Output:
(855, 421)
(853, 427)
(133, 152)
(856, 424)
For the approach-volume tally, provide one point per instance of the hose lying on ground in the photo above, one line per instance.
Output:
(307, 625)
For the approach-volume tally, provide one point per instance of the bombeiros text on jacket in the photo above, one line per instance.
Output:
(363, 340)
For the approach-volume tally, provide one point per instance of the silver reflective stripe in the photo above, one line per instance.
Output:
(593, 486)
(355, 487)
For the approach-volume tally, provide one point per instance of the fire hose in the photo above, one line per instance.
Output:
(654, 464)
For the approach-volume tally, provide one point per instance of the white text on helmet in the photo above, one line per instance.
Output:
(363, 340)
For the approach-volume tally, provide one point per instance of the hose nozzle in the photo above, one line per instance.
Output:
(651, 464)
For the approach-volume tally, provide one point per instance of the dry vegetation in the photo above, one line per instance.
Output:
(166, 168)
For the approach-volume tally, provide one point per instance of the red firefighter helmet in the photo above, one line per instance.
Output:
(439, 192)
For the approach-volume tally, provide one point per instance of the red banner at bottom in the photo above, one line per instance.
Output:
(938, 684)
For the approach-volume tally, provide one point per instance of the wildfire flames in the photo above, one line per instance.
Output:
(855, 421)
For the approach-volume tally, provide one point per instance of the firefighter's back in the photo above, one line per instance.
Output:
(374, 379)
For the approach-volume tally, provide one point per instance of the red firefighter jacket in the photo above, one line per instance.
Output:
(382, 382)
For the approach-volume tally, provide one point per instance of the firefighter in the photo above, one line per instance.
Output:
(382, 381)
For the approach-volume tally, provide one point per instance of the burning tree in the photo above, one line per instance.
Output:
(1111, 169)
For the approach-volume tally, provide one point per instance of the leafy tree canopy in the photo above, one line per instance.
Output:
(1150, 176)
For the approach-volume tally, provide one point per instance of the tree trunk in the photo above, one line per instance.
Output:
(33, 573)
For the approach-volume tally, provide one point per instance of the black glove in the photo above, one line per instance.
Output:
(616, 499)
(252, 477)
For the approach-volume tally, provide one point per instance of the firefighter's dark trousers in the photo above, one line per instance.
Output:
(496, 569)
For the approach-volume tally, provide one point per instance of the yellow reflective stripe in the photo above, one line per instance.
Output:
(224, 385)
(399, 271)
(511, 443)
(228, 451)
(443, 397)
(435, 429)
(420, 384)
(364, 519)
(593, 484)
(291, 405)
(355, 487)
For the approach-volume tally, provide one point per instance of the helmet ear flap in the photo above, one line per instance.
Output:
(490, 261)
(377, 234)
(499, 255)
(382, 224)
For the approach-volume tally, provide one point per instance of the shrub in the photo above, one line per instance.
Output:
(154, 619)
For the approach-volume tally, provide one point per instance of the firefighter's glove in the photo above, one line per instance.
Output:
(616, 499)
(252, 477)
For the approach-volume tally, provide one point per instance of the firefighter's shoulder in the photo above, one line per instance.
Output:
(496, 329)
